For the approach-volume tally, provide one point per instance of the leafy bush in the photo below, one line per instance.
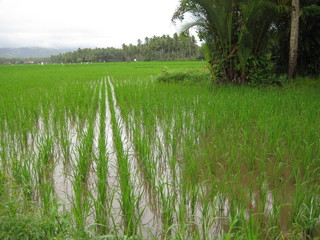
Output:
(185, 77)
(261, 72)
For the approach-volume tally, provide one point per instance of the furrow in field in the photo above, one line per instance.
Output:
(126, 199)
(113, 189)
(145, 213)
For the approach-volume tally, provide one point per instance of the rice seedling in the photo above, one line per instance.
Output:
(101, 204)
(127, 198)
(137, 158)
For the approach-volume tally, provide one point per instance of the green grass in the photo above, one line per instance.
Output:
(224, 162)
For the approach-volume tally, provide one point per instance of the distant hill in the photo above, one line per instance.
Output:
(30, 52)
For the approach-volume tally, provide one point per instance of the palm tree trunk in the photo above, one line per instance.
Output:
(294, 34)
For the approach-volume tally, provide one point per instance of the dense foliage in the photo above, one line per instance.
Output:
(234, 31)
(246, 41)
(309, 39)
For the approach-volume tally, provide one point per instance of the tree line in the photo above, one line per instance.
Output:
(181, 46)
(163, 48)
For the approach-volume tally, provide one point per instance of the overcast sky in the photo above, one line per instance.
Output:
(83, 23)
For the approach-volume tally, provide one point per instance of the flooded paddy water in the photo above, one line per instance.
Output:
(142, 162)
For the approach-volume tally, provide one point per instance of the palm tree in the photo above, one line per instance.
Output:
(233, 30)
(294, 35)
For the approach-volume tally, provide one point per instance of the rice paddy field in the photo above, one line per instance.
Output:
(104, 151)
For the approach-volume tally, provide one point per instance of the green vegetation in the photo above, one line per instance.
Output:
(185, 77)
(242, 38)
(165, 48)
(106, 151)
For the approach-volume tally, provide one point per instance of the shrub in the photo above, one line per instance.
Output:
(185, 77)
(261, 72)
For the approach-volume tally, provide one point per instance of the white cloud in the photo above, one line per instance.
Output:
(78, 23)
